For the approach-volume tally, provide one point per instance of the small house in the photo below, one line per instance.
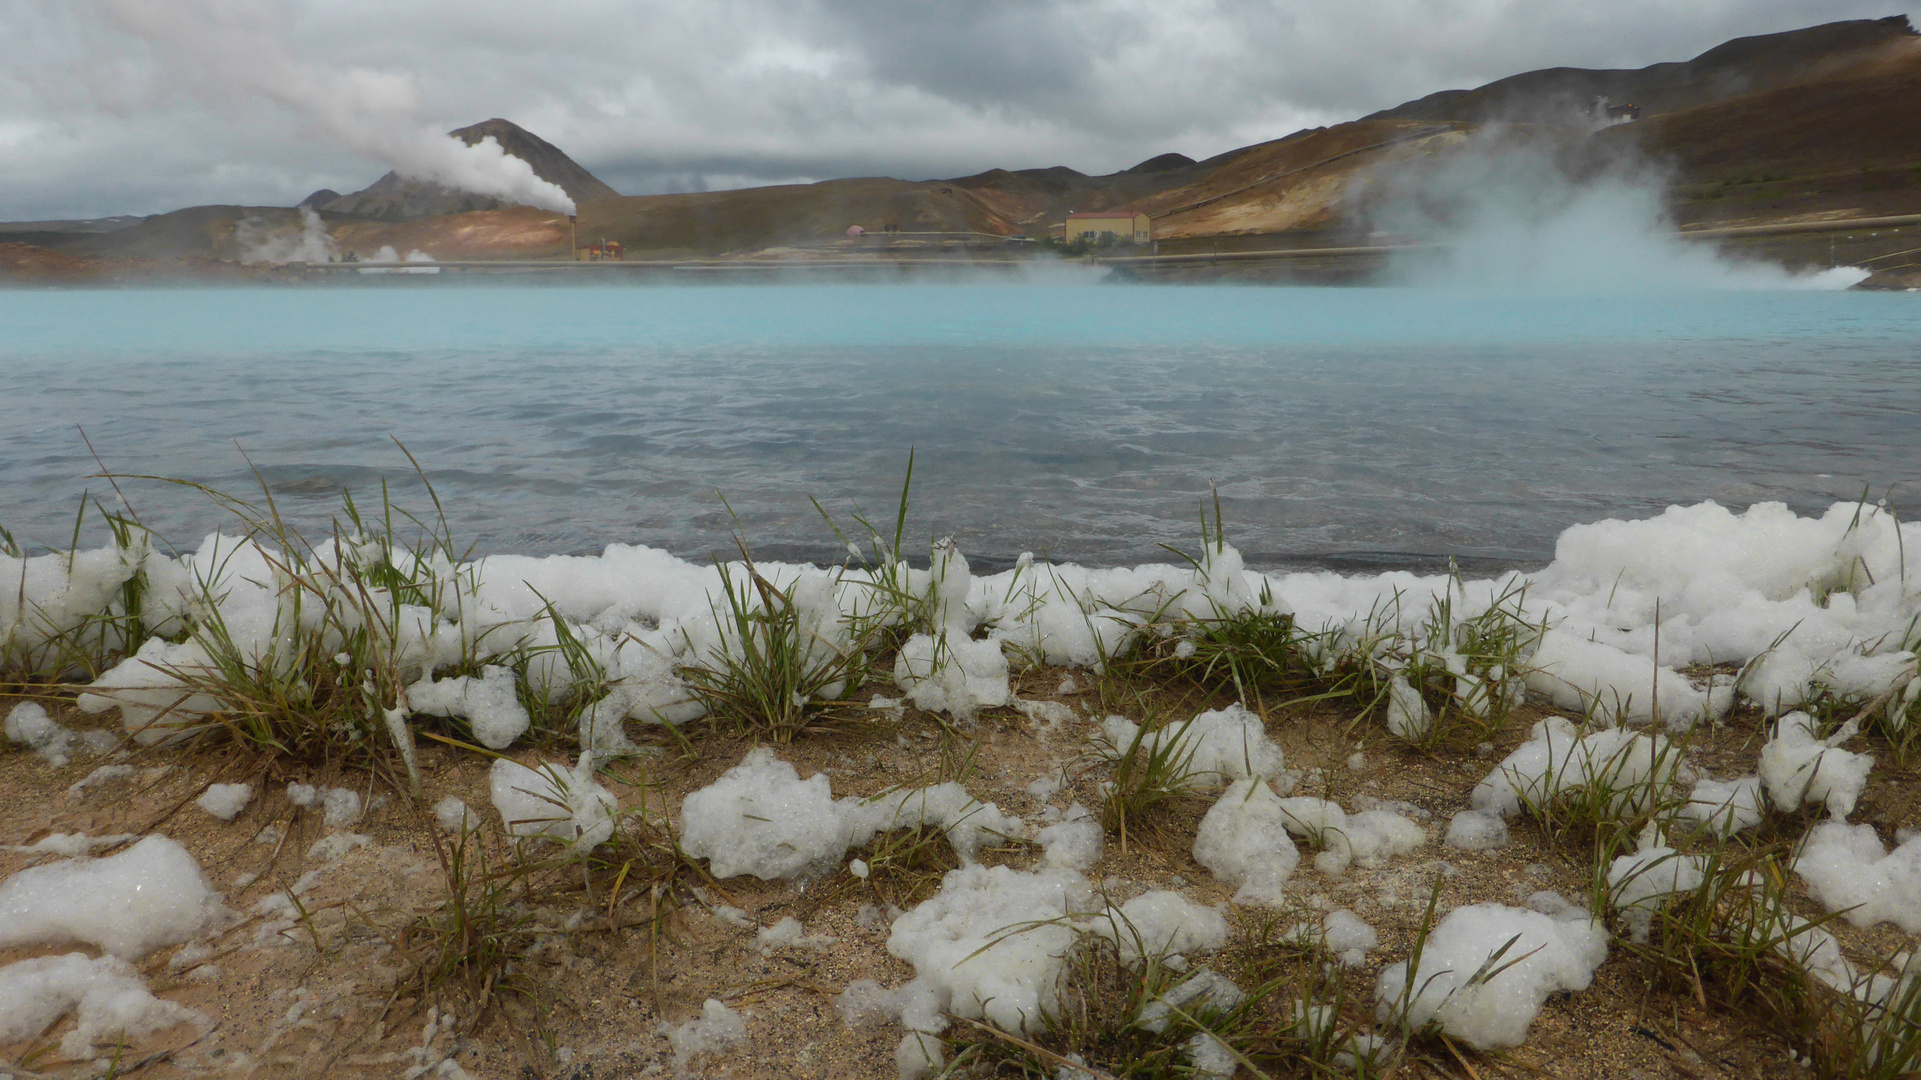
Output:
(1107, 227)
(605, 251)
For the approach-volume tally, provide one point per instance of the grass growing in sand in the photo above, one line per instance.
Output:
(355, 613)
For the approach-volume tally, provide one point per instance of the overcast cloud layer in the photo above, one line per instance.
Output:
(653, 95)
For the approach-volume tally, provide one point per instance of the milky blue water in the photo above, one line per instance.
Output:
(1340, 426)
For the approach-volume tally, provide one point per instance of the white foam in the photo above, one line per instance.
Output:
(990, 943)
(150, 895)
(1472, 830)
(718, 1030)
(556, 802)
(1796, 768)
(225, 801)
(1557, 757)
(490, 704)
(106, 994)
(452, 815)
(1542, 955)
(29, 725)
(1726, 807)
(1074, 842)
(1368, 838)
(1219, 746)
(1638, 883)
(761, 818)
(1163, 923)
(1847, 867)
(1244, 840)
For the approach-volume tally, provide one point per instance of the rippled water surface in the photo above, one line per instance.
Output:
(1341, 426)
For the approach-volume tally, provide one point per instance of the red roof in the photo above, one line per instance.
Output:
(1104, 214)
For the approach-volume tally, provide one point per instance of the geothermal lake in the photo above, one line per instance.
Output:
(1342, 427)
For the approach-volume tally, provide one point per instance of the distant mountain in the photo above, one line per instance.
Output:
(1741, 66)
(1819, 123)
(396, 198)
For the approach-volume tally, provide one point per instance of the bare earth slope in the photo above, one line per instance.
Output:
(1735, 67)
(1847, 142)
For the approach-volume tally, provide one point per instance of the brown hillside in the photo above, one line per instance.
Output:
(1741, 66)
(719, 222)
(1299, 182)
(519, 232)
(29, 261)
(218, 232)
(1848, 142)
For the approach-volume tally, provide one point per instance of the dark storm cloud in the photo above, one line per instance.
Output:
(658, 95)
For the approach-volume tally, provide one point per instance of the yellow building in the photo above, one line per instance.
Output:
(1107, 227)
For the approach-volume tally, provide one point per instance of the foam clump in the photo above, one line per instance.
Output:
(563, 804)
(105, 774)
(151, 690)
(1163, 923)
(1797, 767)
(788, 933)
(1639, 882)
(761, 818)
(1591, 676)
(1244, 841)
(150, 895)
(1726, 807)
(990, 943)
(107, 996)
(915, 1006)
(866, 1003)
(1348, 936)
(225, 801)
(1847, 868)
(967, 822)
(717, 1030)
(1074, 842)
(29, 725)
(952, 674)
(1203, 990)
(1049, 714)
(1557, 757)
(1408, 716)
(339, 807)
(48, 597)
(490, 704)
(1472, 830)
(1369, 838)
(454, 816)
(69, 844)
(1219, 746)
(1538, 955)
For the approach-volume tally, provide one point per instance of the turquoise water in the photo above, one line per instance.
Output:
(1341, 426)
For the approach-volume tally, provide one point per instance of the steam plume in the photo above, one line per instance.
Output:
(238, 44)
(1512, 210)
(311, 244)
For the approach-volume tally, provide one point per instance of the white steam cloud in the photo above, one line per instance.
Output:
(312, 244)
(1507, 213)
(237, 44)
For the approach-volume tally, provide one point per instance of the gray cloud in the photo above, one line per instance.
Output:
(664, 95)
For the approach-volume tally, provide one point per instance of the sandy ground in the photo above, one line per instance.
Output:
(316, 995)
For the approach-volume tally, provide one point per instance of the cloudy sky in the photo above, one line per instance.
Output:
(140, 106)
